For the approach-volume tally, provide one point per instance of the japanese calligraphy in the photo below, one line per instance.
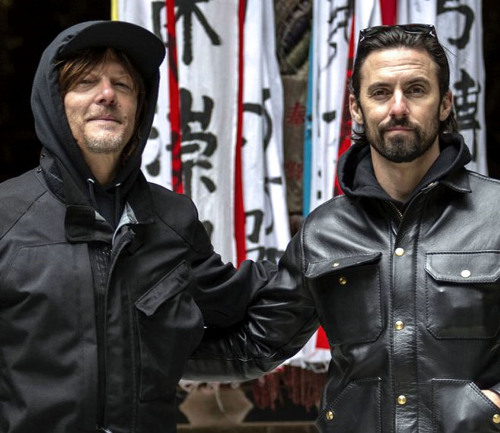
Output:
(338, 20)
(255, 219)
(186, 9)
(466, 104)
(454, 6)
(158, 18)
(197, 147)
(261, 111)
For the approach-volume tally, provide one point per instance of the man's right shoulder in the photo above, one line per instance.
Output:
(16, 197)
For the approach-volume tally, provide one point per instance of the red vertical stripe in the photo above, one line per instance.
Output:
(388, 9)
(173, 83)
(239, 210)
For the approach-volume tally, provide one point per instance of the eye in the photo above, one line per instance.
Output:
(124, 85)
(88, 80)
(380, 93)
(417, 90)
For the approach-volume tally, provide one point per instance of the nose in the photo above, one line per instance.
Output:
(399, 107)
(106, 94)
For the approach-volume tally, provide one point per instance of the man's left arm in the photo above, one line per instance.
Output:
(279, 318)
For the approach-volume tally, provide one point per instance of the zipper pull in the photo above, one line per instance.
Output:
(103, 430)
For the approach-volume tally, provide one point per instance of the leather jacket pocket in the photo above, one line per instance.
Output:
(170, 327)
(459, 406)
(347, 296)
(356, 409)
(463, 294)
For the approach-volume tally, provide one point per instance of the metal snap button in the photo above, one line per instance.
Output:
(465, 273)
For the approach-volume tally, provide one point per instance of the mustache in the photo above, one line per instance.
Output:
(403, 122)
(108, 112)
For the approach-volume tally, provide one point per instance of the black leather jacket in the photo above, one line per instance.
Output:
(409, 297)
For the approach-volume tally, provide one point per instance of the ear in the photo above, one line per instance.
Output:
(355, 110)
(446, 106)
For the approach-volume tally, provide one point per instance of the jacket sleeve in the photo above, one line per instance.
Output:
(279, 319)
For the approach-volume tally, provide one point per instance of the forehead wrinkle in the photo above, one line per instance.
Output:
(384, 65)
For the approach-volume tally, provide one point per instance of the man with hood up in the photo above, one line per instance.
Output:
(106, 281)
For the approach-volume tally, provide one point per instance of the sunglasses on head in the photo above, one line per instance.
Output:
(413, 29)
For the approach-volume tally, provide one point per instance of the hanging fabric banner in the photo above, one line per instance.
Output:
(208, 35)
(266, 223)
(459, 27)
(329, 62)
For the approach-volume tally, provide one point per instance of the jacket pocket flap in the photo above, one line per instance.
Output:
(171, 284)
(461, 267)
(325, 267)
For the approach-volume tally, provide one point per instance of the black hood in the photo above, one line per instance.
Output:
(145, 51)
(357, 178)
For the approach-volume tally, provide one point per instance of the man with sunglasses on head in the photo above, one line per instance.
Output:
(403, 270)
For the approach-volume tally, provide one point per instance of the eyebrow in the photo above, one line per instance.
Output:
(417, 80)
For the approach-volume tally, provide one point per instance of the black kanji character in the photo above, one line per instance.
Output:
(186, 9)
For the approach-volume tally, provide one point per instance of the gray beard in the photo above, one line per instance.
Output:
(104, 145)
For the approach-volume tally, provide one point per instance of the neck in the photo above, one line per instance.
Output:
(103, 166)
(399, 180)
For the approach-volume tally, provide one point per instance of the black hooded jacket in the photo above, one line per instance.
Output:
(99, 313)
(408, 295)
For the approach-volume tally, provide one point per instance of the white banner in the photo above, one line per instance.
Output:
(459, 28)
(331, 29)
(207, 52)
(267, 228)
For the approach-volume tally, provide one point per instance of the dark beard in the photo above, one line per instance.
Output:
(403, 148)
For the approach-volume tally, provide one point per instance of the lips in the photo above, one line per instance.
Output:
(103, 117)
(398, 129)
